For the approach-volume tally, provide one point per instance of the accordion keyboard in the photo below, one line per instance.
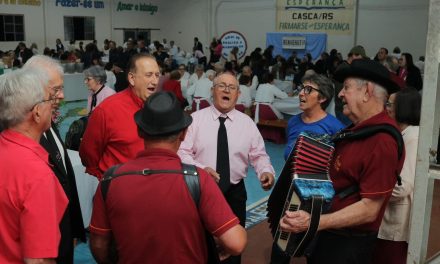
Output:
(294, 205)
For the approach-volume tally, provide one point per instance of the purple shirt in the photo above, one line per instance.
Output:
(244, 141)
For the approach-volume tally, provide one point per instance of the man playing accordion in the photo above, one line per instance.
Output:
(363, 170)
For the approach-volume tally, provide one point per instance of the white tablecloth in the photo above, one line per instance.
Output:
(74, 87)
(86, 185)
(286, 86)
(289, 105)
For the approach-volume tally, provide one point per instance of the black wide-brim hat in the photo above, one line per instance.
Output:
(162, 115)
(369, 70)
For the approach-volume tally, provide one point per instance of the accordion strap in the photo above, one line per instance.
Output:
(315, 216)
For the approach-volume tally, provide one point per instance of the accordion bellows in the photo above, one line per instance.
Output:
(304, 184)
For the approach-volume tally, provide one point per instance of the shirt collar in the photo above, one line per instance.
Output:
(216, 113)
(26, 142)
(138, 101)
(380, 118)
(157, 152)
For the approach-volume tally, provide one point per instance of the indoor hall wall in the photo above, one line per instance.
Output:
(55, 22)
(33, 25)
(135, 19)
(380, 23)
(391, 23)
(182, 20)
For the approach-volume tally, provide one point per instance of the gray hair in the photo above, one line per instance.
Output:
(379, 92)
(391, 64)
(97, 73)
(199, 67)
(20, 90)
(45, 63)
(210, 73)
(214, 82)
(324, 84)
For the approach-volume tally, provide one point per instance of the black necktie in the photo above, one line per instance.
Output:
(223, 156)
(94, 99)
(55, 150)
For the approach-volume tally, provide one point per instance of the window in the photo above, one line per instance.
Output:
(137, 34)
(79, 28)
(11, 28)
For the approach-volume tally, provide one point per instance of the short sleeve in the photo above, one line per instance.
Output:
(215, 212)
(99, 224)
(380, 174)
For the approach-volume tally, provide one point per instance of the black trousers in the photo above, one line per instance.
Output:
(343, 249)
(236, 197)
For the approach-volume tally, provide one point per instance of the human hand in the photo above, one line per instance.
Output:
(295, 222)
(222, 254)
(213, 174)
(267, 180)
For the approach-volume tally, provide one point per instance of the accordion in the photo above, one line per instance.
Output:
(303, 184)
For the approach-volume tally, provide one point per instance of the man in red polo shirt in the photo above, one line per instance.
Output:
(371, 164)
(111, 137)
(154, 218)
(32, 200)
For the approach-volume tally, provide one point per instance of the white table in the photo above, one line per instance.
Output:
(286, 86)
(74, 87)
(289, 105)
(86, 185)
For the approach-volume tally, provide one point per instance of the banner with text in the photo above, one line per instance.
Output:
(294, 42)
(329, 16)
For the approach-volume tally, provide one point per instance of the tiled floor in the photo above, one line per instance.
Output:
(259, 238)
(256, 195)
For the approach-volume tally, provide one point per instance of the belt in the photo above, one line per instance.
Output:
(352, 233)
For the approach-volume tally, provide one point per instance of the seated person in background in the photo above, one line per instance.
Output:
(392, 243)
(267, 92)
(245, 93)
(111, 77)
(184, 80)
(173, 85)
(95, 78)
(230, 68)
(176, 215)
(202, 91)
(160, 54)
(254, 84)
(201, 58)
(121, 77)
(199, 73)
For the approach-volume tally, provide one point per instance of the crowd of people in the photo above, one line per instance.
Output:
(139, 128)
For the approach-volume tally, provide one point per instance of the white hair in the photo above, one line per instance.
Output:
(379, 92)
(210, 73)
(20, 90)
(45, 63)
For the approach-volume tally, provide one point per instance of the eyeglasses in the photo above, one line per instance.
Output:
(389, 104)
(88, 79)
(51, 100)
(308, 89)
(223, 86)
(181, 69)
(56, 90)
